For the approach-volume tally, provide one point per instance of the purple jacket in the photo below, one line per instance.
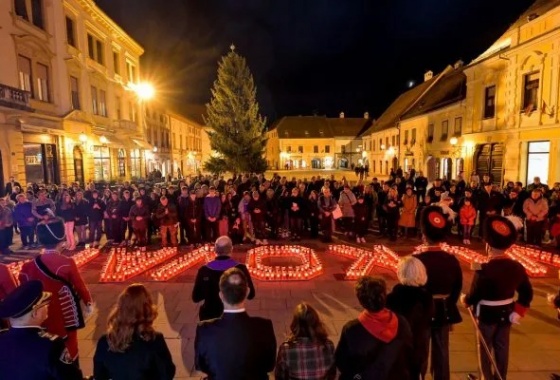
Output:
(212, 207)
(22, 212)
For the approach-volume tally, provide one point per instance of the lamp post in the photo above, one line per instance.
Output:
(144, 92)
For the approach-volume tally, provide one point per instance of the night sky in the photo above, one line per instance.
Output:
(309, 56)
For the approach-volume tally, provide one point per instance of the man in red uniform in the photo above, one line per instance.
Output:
(7, 281)
(59, 276)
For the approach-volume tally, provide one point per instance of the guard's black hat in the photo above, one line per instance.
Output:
(499, 232)
(51, 233)
(23, 299)
(433, 224)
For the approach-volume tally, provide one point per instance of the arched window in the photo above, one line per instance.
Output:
(121, 161)
(78, 166)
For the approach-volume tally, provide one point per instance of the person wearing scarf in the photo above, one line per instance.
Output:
(378, 344)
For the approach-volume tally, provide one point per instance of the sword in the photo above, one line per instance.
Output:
(485, 346)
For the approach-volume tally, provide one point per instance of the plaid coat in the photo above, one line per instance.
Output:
(305, 360)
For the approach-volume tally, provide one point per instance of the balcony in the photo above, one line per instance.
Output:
(126, 126)
(14, 98)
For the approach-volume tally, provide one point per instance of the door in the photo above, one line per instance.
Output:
(431, 169)
(79, 166)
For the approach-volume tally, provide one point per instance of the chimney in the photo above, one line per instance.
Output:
(428, 75)
(366, 115)
(458, 64)
(341, 115)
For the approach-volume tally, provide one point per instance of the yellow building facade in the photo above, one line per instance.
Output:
(67, 109)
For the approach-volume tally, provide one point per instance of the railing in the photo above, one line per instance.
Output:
(14, 97)
(126, 126)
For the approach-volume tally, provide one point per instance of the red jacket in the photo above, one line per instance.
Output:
(66, 268)
(7, 281)
(467, 215)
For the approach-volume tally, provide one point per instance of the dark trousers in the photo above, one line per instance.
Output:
(115, 228)
(27, 235)
(382, 220)
(211, 231)
(273, 222)
(420, 194)
(95, 231)
(9, 235)
(295, 226)
(313, 227)
(4, 240)
(141, 236)
(348, 224)
(259, 227)
(497, 338)
(126, 226)
(467, 232)
(440, 353)
(326, 227)
(360, 228)
(534, 232)
(392, 225)
(193, 232)
(183, 232)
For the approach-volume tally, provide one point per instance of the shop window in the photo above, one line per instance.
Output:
(489, 102)
(530, 92)
(41, 163)
(135, 163)
(538, 159)
(101, 163)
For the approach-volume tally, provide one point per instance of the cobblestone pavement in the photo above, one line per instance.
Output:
(535, 347)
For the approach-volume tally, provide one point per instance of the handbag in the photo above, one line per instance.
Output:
(72, 312)
(337, 213)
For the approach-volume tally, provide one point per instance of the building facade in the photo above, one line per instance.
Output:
(67, 112)
(314, 142)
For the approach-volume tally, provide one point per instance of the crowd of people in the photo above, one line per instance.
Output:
(253, 209)
(390, 339)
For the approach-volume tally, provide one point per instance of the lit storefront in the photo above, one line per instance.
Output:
(538, 158)
(101, 163)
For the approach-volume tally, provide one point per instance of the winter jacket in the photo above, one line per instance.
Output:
(171, 217)
(194, 210)
(212, 206)
(409, 204)
(67, 212)
(142, 212)
(23, 214)
(260, 205)
(346, 200)
(124, 207)
(536, 209)
(96, 214)
(467, 215)
(82, 211)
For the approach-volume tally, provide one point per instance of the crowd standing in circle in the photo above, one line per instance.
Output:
(391, 337)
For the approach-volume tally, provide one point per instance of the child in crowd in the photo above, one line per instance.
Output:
(360, 219)
(467, 216)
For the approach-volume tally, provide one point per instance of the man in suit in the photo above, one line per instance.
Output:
(235, 346)
(29, 352)
(11, 185)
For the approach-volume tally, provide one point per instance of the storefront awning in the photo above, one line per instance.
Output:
(142, 144)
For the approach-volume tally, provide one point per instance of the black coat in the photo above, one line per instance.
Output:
(96, 214)
(445, 277)
(359, 352)
(417, 306)
(235, 347)
(31, 353)
(143, 360)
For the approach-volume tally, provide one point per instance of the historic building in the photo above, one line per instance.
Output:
(68, 110)
(318, 142)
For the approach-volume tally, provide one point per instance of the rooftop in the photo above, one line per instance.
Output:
(301, 127)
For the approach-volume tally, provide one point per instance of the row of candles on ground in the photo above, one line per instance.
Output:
(182, 263)
(516, 253)
(123, 265)
(81, 258)
(310, 266)
(535, 254)
(365, 260)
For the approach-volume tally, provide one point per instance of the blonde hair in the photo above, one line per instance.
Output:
(411, 271)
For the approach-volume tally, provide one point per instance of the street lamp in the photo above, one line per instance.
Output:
(144, 90)
(103, 140)
(453, 141)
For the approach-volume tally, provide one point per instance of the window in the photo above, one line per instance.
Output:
(393, 141)
(413, 138)
(380, 166)
(381, 144)
(75, 93)
(489, 102)
(41, 163)
(387, 167)
(530, 92)
(37, 13)
(289, 149)
(300, 149)
(70, 34)
(538, 159)
(121, 162)
(118, 107)
(24, 64)
(116, 63)
(458, 126)
(373, 146)
(343, 149)
(21, 9)
(131, 72)
(135, 163)
(444, 129)
(95, 49)
(327, 148)
(94, 108)
(315, 148)
(103, 103)
(101, 163)
(406, 137)
(386, 142)
(430, 133)
(42, 82)
(373, 162)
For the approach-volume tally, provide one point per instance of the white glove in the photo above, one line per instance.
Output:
(515, 318)
(89, 310)
(550, 298)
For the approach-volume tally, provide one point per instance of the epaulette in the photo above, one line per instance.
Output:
(47, 335)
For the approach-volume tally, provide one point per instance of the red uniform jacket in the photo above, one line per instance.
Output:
(66, 268)
(7, 281)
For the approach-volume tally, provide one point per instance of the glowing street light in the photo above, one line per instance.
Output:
(144, 90)
(83, 138)
(453, 141)
(103, 140)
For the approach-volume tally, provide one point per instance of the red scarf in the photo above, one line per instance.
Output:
(383, 325)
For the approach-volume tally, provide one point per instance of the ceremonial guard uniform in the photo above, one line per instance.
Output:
(29, 352)
(492, 292)
(7, 281)
(445, 280)
(60, 276)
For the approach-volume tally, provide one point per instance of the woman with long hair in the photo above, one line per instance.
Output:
(67, 211)
(132, 348)
(308, 353)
